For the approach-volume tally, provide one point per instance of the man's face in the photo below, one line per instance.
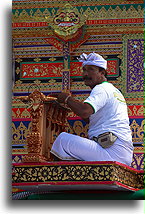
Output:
(91, 75)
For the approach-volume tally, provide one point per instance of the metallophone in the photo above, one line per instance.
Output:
(48, 119)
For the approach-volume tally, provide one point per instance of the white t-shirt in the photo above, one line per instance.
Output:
(110, 113)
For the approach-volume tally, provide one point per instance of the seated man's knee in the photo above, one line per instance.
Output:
(62, 134)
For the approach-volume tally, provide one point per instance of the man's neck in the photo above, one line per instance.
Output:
(104, 80)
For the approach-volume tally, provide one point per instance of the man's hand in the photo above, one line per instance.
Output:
(60, 96)
(83, 110)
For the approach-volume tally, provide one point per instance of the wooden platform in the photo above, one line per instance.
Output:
(78, 175)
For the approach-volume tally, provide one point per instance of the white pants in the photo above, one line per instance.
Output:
(72, 147)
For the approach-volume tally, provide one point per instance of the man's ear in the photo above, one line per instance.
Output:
(102, 71)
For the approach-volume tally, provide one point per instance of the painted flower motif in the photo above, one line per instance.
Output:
(44, 174)
(32, 174)
(78, 172)
(57, 173)
(18, 173)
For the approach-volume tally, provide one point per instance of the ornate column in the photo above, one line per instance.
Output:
(66, 70)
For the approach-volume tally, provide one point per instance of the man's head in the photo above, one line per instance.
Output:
(94, 69)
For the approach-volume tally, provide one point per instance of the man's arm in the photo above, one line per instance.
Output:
(83, 110)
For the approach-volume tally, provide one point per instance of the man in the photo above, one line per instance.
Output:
(106, 111)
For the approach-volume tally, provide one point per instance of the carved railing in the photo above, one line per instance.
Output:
(48, 119)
